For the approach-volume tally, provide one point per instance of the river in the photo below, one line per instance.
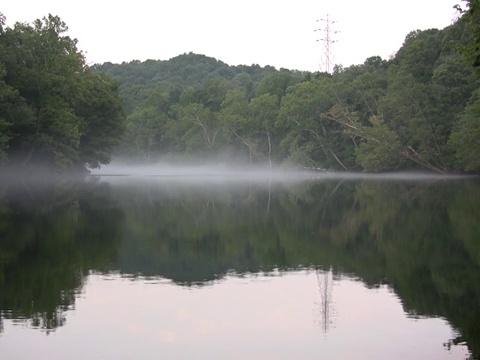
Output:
(243, 265)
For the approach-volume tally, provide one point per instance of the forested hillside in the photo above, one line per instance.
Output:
(417, 110)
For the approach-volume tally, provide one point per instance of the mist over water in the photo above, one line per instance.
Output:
(232, 172)
(217, 242)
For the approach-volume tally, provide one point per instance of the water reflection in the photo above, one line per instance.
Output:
(417, 239)
(325, 291)
(251, 316)
(51, 235)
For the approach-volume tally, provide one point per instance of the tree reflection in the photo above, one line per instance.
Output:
(46, 247)
(417, 237)
(420, 238)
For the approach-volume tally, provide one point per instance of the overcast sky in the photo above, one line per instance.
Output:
(277, 33)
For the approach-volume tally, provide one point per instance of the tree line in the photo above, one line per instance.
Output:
(417, 110)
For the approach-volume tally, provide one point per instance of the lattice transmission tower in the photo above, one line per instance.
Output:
(328, 38)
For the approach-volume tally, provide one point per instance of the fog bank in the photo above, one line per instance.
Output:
(228, 172)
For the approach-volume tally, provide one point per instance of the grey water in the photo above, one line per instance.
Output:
(223, 262)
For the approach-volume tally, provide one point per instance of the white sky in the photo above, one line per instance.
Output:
(277, 33)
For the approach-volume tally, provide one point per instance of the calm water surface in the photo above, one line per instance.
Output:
(240, 267)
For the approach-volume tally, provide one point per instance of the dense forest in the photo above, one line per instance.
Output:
(418, 110)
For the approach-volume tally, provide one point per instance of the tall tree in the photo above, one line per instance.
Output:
(69, 117)
(238, 124)
(101, 116)
(311, 139)
(45, 68)
(264, 111)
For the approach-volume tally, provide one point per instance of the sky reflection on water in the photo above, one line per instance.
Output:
(248, 317)
(205, 264)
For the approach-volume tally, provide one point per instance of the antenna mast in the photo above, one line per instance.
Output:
(327, 57)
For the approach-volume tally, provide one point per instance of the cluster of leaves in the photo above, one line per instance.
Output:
(416, 110)
(53, 108)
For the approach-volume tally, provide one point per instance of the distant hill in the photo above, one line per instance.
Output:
(137, 79)
(417, 110)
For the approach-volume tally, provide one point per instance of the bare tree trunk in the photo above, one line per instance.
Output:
(209, 141)
(338, 160)
(416, 157)
(250, 146)
(269, 145)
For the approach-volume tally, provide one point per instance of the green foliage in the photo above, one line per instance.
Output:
(465, 138)
(275, 84)
(102, 120)
(311, 135)
(238, 125)
(199, 128)
(4, 139)
(53, 110)
(377, 116)
(10, 107)
(471, 18)
(409, 112)
(380, 149)
(145, 130)
(419, 53)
